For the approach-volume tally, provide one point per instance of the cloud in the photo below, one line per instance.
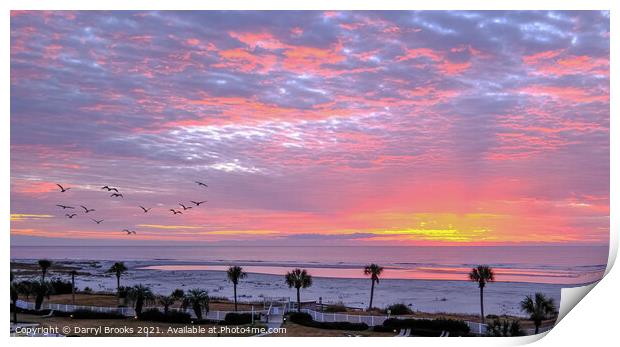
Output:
(302, 121)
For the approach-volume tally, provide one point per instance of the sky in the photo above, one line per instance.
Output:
(322, 128)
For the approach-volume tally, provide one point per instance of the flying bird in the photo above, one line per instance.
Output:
(175, 211)
(197, 203)
(129, 232)
(62, 189)
(201, 184)
(86, 210)
(108, 188)
(71, 215)
(185, 207)
(64, 207)
(97, 221)
(145, 209)
(116, 195)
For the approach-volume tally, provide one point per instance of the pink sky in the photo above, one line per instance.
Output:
(348, 128)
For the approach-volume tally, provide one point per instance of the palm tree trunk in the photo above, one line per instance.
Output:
(372, 293)
(298, 301)
(73, 289)
(482, 304)
(38, 301)
(118, 289)
(235, 290)
(14, 311)
(139, 304)
(197, 311)
(536, 326)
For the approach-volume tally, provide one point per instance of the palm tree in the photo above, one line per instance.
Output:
(26, 288)
(44, 264)
(118, 269)
(41, 290)
(482, 274)
(235, 273)
(298, 278)
(538, 307)
(14, 298)
(73, 273)
(374, 271)
(196, 299)
(140, 295)
(167, 301)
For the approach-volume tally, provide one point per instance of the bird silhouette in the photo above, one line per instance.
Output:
(86, 210)
(201, 184)
(197, 203)
(114, 189)
(64, 207)
(116, 195)
(175, 212)
(129, 232)
(185, 207)
(97, 221)
(62, 189)
(106, 188)
(71, 215)
(145, 209)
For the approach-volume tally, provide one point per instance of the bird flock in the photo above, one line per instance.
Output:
(117, 194)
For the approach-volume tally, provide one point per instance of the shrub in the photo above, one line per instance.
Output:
(398, 309)
(88, 314)
(382, 329)
(305, 319)
(33, 312)
(156, 315)
(60, 287)
(339, 307)
(122, 291)
(455, 327)
(219, 298)
(300, 317)
(234, 318)
(504, 328)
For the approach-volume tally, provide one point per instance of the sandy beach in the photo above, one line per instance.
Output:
(433, 296)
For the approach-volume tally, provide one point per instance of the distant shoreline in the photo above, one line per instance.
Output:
(319, 270)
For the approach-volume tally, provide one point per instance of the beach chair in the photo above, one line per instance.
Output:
(401, 333)
(446, 334)
(443, 333)
(407, 332)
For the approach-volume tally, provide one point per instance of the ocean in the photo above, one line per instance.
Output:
(430, 279)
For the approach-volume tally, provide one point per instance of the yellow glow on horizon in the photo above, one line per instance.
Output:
(450, 235)
(16, 217)
(159, 226)
(242, 232)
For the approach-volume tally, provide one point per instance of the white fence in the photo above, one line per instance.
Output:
(476, 328)
(125, 311)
